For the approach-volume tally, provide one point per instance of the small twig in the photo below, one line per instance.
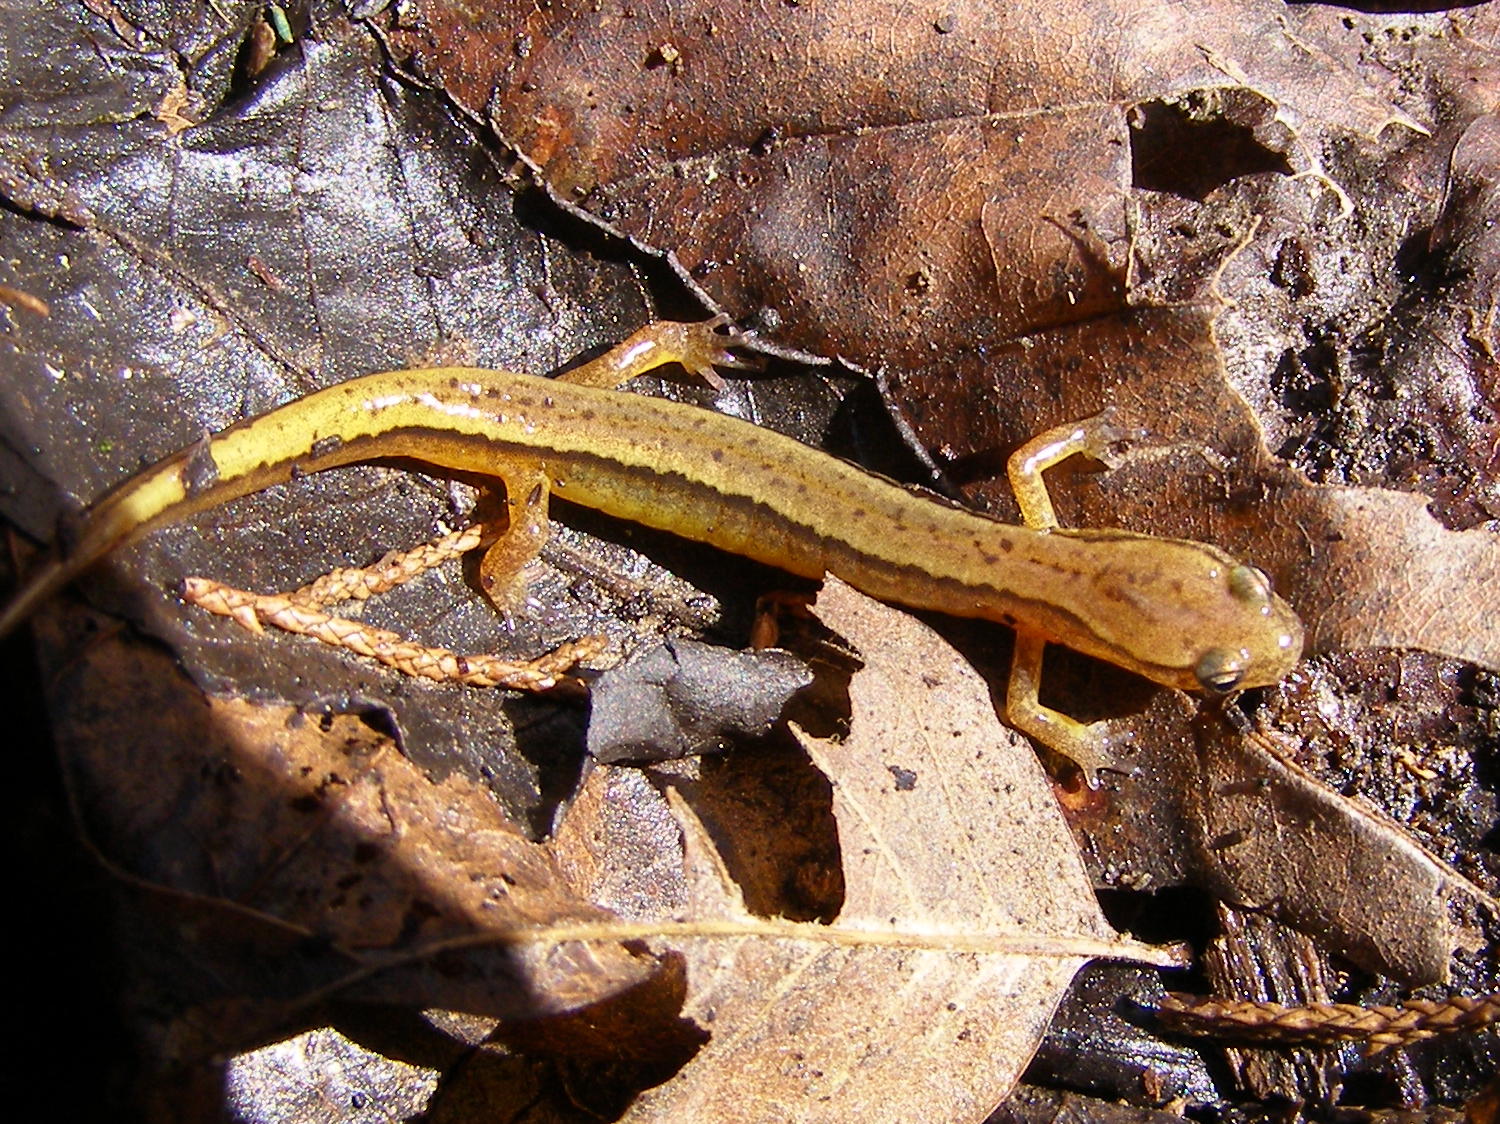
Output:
(396, 568)
(253, 610)
(1327, 1023)
(303, 612)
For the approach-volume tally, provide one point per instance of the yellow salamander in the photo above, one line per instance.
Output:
(1183, 614)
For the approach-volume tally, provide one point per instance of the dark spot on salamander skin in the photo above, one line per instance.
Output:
(718, 456)
(200, 471)
(586, 415)
(1008, 620)
(1007, 545)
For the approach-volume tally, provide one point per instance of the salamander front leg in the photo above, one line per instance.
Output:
(1093, 437)
(1089, 744)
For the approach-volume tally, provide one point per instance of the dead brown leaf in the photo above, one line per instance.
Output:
(1272, 838)
(1383, 573)
(864, 169)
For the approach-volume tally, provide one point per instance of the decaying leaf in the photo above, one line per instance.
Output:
(682, 698)
(1365, 567)
(864, 169)
(276, 862)
(958, 958)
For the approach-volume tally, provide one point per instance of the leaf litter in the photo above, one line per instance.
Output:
(1444, 606)
(306, 864)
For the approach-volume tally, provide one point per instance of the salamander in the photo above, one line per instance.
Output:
(1183, 614)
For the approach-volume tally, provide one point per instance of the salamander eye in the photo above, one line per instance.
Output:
(1247, 583)
(1220, 670)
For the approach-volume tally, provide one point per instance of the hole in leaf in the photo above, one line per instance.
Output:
(1190, 147)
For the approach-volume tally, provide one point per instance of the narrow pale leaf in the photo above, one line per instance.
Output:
(961, 875)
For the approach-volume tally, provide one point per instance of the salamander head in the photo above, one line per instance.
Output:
(1264, 638)
(1184, 614)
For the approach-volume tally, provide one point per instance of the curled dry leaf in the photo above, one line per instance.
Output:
(966, 913)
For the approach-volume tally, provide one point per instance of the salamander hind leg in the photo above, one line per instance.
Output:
(1094, 437)
(698, 346)
(502, 574)
(1091, 745)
